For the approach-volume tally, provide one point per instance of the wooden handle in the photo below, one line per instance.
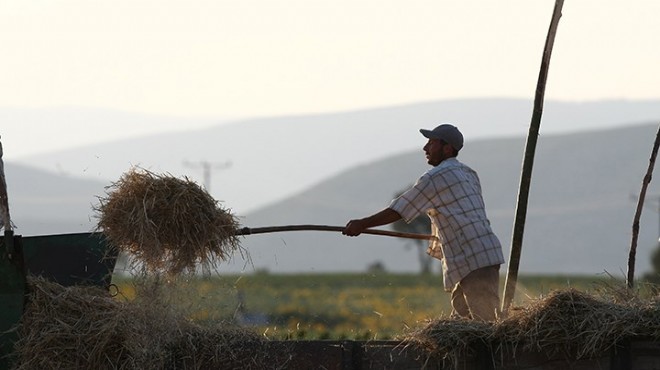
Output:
(272, 229)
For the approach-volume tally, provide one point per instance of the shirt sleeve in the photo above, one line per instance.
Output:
(415, 200)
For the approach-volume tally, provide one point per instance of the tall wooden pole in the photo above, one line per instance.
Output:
(4, 203)
(638, 212)
(4, 212)
(528, 162)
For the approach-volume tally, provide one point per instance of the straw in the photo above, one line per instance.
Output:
(82, 327)
(168, 224)
(566, 322)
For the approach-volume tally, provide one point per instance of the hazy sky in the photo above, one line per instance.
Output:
(245, 58)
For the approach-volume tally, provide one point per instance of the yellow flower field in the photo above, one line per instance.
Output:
(325, 306)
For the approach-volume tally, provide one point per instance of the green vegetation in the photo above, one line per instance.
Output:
(334, 306)
(654, 276)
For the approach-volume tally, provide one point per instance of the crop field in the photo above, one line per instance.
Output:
(332, 306)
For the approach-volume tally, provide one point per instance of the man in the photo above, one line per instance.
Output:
(450, 194)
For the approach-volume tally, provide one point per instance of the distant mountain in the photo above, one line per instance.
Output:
(579, 221)
(45, 130)
(43, 203)
(273, 158)
(326, 169)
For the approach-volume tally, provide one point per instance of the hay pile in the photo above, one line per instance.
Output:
(167, 224)
(449, 338)
(567, 322)
(83, 327)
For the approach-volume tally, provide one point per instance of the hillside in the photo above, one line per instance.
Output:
(327, 169)
(293, 153)
(579, 220)
(580, 211)
(42, 203)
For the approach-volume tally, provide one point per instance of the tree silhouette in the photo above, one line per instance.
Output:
(654, 277)
(420, 225)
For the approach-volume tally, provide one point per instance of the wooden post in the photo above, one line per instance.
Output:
(4, 200)
(528, 162)
(638, 213)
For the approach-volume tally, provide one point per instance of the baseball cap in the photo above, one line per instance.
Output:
(447, 133)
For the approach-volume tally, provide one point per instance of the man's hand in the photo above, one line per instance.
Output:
(354, 228)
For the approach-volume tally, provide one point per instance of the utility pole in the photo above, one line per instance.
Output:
(207, 168)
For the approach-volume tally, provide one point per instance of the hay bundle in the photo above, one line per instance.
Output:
(572, 322)
(449, 338)
(84, 328)
(568, 322)
(76, 327)
(167, 224)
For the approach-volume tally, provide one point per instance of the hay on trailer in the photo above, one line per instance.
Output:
(568, 322)
(76, 326)
(166, 223)
(82, 327)
(573, 322)
(449, 338)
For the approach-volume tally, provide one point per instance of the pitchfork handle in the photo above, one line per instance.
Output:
(272, 229)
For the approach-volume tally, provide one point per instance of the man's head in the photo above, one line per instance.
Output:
(444, 142)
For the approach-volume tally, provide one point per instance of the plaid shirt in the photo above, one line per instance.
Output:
(450, 194)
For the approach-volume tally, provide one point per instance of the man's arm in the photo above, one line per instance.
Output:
(384, 217)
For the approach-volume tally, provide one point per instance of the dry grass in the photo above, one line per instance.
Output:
(83, 327)
(449, 338)
(567, 322)
(167, 224)
(74, 326)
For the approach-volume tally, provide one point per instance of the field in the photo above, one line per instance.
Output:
(332, 306)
